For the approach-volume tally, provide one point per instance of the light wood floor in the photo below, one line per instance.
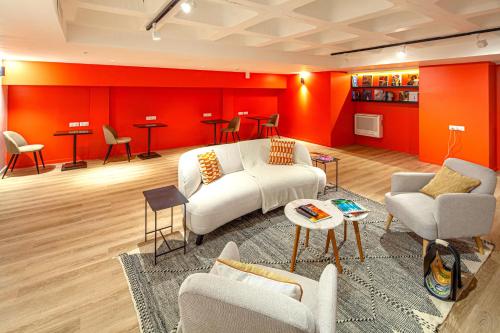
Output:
(61, 231)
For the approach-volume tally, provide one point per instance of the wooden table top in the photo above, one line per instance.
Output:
(74, 132)
(164, 197)
(258, 117)
(149, 125)
(215, 121)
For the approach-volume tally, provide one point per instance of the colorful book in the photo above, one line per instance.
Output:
(413, 96)
(404, 96)
(354, 80)
(355, 95)
(412, 80)
(320, 214)
(396, 80)
(379, 95)
(367, 81)
(349, 207)
(367, 95)
(383, 81)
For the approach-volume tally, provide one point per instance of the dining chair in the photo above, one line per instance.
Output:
(271, 124)
(112, 139)
(16, 145)
(233, 127)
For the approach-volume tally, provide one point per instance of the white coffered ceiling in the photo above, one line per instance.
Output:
(279, 36)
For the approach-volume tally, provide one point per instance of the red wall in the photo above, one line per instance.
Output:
(45, 97)
(458, 95)
(400, 126)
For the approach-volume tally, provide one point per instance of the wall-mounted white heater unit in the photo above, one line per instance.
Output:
(368, 125)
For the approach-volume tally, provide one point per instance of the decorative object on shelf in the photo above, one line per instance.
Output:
(413, 96)
(354, 81)
(379, 95)
(404, 96)
(367, 95)
(383, 81)
(396, 80)
(412, 79)
(389, 96)
(367, 81)
(355, 95)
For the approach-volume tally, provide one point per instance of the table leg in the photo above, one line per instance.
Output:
(336, 175)
(184, 224)
(307, 237)
(345, 230)
(74, 148)
(335, 250)
(145, 220)
(327, 246)
(149, 141)
(295, 247)
(215, 134)
(156, 227)
(258, 128)
(358, 241)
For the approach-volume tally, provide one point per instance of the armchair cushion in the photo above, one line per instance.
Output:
(464, 214)
(416, 210)
(449, 181)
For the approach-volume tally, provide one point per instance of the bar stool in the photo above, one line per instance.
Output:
(233, 127)
(271, 124)
(112, 139)
(16, 145)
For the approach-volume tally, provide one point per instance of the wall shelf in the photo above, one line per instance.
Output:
(386, 87)
(392, 102)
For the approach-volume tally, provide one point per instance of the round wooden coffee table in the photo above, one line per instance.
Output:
(329, 224)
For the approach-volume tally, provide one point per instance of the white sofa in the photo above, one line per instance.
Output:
(248, 183)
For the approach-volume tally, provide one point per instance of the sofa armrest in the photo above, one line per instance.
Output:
(464, 214)
(230, 252)
(409, 181)
(211, 303)
(327, 300)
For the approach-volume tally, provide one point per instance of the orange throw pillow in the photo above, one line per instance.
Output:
(209, 167)
(281, 151)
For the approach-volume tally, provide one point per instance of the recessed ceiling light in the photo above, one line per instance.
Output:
(85, 52)
(401, 53)
(155, 34)
(187, 6)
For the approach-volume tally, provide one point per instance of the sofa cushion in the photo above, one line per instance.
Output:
(281, 151)
(447, 180)
(209, 167)
(415, 210)
(258, 276)
(227, 198)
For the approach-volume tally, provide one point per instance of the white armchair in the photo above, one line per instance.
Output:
(452, 215)
(212, 303)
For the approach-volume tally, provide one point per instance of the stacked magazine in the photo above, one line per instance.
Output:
(349, 208)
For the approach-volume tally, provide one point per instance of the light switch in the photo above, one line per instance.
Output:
(74, 124)
(84, 123)
(207, 115)
(150, 117)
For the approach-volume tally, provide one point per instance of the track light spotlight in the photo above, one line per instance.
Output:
(155, 34)
(187, 6)
(481, 43)
(401, 53)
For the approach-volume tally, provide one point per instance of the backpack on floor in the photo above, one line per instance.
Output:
(441, 281)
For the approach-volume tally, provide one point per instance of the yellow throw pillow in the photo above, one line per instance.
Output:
(209, 167)
(447, 180)
(259, 277)
(281, 151)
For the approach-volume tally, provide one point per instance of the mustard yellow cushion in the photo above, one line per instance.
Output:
(447, 180)
(258, 276)
(209, 167)
(281, 151)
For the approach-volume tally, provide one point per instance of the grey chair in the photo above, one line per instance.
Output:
(112, 139)
(452, 215)
(233, 127)
(16, 145)
(271, 124)
(212, 303)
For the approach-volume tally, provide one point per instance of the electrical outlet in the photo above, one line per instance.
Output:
(150, 117)
(456, 128)
(207, 115)
(84, 123)
(74, 124)
(245, 113)
(241, 113)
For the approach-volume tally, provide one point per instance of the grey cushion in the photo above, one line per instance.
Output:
(415, 210)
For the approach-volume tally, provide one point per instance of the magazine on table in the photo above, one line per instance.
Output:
(349, 208)
(312, 213)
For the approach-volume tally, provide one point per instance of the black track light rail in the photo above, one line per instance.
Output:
(162, 13)
(417, 41)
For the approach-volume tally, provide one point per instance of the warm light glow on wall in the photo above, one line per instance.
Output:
(303, 76)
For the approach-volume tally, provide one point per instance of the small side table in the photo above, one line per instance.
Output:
(159, 199)
(316, 160)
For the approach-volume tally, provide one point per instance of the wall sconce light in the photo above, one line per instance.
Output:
(2, 71)
(304, 76)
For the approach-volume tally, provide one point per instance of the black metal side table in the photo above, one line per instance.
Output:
(316, 159)
(159, 199)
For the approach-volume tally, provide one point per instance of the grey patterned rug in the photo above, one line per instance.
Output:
(383, 294)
